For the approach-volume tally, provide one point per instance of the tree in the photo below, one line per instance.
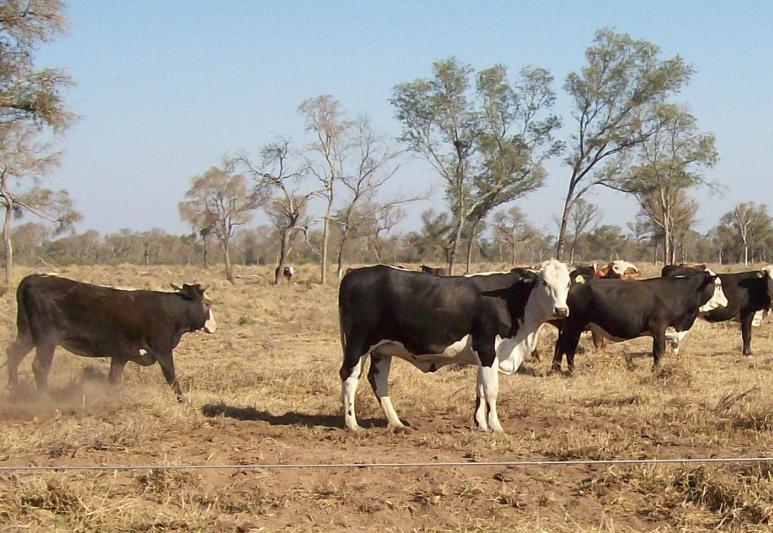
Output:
(606, 241)
(375, 165)
(286, 207)
(667, 163)
(28, 95)
(613, 96)
(324, 120)
(512, 227)
(219, 199)
(750, 222)
(583, 215)
(488, 145)
(23, 163)
(385, 217)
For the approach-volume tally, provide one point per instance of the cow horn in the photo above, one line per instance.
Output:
(203, 288)
(175, 287)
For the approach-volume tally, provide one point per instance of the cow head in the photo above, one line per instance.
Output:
(552, 288)
(767, 274)
(200, 314)
(619, 269)
(711, 292)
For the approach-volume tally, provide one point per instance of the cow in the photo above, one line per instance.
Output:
(433, 321)
(618, 269)
(97, 321)
(749, 296)
(287, 272)
(623, 310)
(436, 271)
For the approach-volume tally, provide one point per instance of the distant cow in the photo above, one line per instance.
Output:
(287, 272)
(434, 321)
(748, 294)
(439, 271)
(96, 321)
(622, 310)
(618, 269)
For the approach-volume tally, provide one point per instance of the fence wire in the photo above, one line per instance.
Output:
(341, 466)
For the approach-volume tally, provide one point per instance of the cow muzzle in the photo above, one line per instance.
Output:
(210, 326)
(560, 312)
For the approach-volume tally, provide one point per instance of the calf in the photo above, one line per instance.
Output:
(625, 310)
(434, 321)
(748, 295)
(96, 321)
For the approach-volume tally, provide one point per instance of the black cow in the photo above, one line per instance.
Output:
(433, 321)
(622, 310)
(96, 321)
(748, 293)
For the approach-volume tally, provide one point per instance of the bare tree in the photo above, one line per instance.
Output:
(286, 207)
(749, 220)
(23, 163)
(386, 216)
(219, 199)
(374, 165)
(325, 120)
(512, 227)
(584, 216)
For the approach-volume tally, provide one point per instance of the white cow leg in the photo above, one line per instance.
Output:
(480, 407)
(490, 379)
(378, 376)
(349, 391)
(676, 340)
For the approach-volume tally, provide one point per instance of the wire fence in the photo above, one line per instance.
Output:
(342, 466)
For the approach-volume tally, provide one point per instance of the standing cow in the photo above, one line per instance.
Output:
(96, 321)
(621, 310)
(433, 321)
(749, 295)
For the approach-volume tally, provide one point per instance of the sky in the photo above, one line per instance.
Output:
(166, 89)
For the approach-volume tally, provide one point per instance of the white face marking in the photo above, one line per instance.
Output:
(210, 326)
(717, 300)
(768, 272)
(620, 267)
(553, 284)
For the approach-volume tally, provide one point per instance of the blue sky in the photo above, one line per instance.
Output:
(165, 89)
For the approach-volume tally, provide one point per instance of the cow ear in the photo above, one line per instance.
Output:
(177, 288)
(527, 276)
(762, 273)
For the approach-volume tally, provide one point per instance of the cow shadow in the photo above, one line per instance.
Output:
(290, 418)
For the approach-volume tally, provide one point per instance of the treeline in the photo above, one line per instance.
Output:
(745, 234)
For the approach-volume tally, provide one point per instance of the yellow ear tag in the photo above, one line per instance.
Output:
(580, 279)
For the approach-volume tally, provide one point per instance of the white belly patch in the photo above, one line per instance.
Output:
(458, 353)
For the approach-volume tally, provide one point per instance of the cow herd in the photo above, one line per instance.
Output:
(492, 320)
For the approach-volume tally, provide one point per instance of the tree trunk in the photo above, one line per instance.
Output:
(7, 237)
(282, 256)
(513, 257)
(325, 237)
(341, 245)
(229, 273)
(568, 203)
(469, 255)
(455, 246)
(206, 253)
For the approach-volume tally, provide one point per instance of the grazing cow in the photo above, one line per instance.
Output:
(623, 310)
(749, 296)
(439, 271)
(435, 321)
(96, 321)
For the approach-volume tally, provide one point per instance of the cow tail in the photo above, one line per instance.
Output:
(22, 319)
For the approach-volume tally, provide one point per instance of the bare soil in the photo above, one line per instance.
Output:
(265, 389)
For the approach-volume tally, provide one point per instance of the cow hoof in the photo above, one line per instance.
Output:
(401, 430)
(555, 369)
(747, 353)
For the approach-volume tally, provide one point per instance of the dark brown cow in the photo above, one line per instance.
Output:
(96, 321)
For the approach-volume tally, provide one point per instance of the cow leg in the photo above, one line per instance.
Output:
(566, 344)
(350, 372)
(658, 348)
(488, 390)
(167, 367)
(15, 353)
(746, 333)
(676, 340)
(116, 370)
(378, 376)
(44, 355)
(599, 342)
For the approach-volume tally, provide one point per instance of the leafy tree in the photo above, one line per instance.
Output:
(487, 144)
(613, 97)
(512, 227)
(221, 200)
(750, 223)
(607, 240)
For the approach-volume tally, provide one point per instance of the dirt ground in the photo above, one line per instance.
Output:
(265, 389)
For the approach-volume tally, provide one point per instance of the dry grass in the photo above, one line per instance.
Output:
(266, 389)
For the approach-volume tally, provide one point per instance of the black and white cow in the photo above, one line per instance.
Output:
(433, 321)
(622, 310)
(97, 321)
(748, 295)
